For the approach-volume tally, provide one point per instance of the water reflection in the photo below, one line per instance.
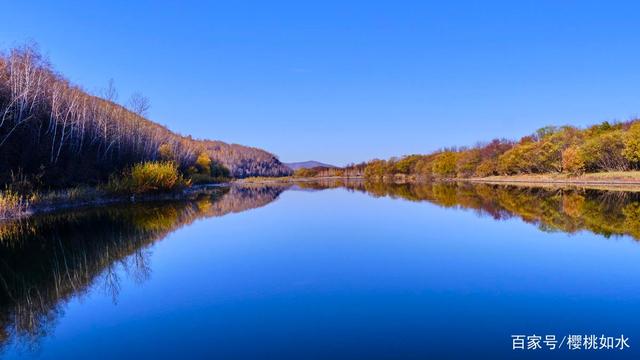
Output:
(47, 260)
(569, 209)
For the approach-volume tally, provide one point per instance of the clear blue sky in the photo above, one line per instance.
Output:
(341, 82)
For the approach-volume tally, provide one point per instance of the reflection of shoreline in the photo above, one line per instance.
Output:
(46, 260)
(92, 197)
(551, 208)
(590, 181)
(293, 180)
(584, 184)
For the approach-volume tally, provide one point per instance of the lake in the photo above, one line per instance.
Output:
(326, 270)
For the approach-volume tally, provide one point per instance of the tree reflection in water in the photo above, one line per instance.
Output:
(47, 260)
(605, 212)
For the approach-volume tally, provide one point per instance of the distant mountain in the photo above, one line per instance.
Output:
(307, 165)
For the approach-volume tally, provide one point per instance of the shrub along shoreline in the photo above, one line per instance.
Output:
(92, 196)
(152, 182)
(158, 180)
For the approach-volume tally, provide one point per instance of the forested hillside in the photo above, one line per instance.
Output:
(308, 165)
(54, 133)
(550, 150)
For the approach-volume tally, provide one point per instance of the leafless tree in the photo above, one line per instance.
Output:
(110, 93)
(48, 123)
(139, 104)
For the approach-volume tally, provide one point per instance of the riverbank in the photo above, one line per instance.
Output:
(618, 180)
(293, 179)
(93, 196)
(614, 178)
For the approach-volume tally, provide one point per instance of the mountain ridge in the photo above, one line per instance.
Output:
(307, 165)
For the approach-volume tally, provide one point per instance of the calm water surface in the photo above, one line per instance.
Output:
(324, 271)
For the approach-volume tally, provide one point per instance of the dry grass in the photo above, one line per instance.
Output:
(614, 180)
(66, 195)
(621, 177)
(149, 177)
(11, 204)
(613, 175)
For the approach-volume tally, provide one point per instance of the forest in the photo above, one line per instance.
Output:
(566, 150)
(55, 134)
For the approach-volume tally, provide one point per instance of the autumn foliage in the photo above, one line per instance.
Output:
(148, 177)
(58, 134)
(566, 149)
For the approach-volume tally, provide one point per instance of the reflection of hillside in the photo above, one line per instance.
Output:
(322, 184)
(47, 260)
(605, 212)
(241, 198)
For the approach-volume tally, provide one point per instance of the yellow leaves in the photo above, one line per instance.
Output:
(486, 168)
(551, 150)
(444, 165)
(149, 177)
(573, 204)
(604, 152)
(203, 163)
(572, 161)
(304, 173)
(631, 140)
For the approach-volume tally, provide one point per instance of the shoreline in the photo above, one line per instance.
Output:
(558, 182)
(106, 199)
(586, 185)
(619, 179)
(291, 179)
(616, 180)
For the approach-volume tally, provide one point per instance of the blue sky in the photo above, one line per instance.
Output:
(345, 81)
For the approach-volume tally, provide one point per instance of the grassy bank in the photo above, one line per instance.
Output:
(627, 178)
(627, 181)
(143, 181)
(13, 206)
(601, 178)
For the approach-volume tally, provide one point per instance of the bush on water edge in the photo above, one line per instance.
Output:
(148, 177)
(154, 177)
(207, 171)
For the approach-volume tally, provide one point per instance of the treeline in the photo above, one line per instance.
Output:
(566, 149)
(55, 134)
(351, 170)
